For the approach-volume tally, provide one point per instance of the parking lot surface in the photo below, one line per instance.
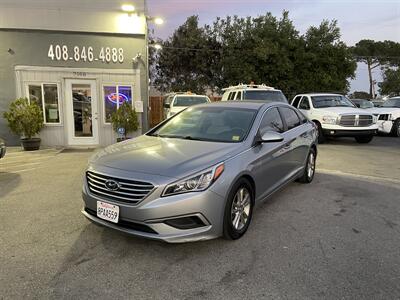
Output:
(338, 237)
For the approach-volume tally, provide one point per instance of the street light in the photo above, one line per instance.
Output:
(158, 21)
(129, 8)
(157, 46)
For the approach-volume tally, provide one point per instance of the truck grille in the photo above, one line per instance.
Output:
(123, 190)
(356, 120)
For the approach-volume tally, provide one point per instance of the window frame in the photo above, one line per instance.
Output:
(41, 84)
(298, 101)
(116, 85)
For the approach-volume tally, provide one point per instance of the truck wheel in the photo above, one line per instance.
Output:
(321, 137)
(396, 128)
(364, 139)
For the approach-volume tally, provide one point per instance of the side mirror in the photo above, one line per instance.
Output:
(167, 105)
(271, 137)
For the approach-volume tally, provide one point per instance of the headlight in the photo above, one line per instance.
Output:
(329, 120)
(195, 183)
(374, 119)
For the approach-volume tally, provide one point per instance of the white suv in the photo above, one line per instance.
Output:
(389, 116)
(337, 116)
(176, 102)
(253, 92)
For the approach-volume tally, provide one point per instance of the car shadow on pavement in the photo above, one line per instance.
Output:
(8, 182)
(322, 230)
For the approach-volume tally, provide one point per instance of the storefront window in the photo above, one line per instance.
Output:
(46, 96)
(35, 94)
(114, 97)
(51, 103)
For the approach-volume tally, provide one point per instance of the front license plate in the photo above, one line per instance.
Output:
(107, 211)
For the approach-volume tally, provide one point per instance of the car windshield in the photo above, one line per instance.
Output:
(363, 103)
(217, 124)
(189, 100)
(331, 101)
(263, 95)
(392, 103)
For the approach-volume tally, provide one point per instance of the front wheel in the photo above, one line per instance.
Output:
(238, 210)
(396, 128)
(364, 139)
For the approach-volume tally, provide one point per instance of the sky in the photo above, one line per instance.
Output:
(367, 19)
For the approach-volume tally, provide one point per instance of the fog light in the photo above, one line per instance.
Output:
(332, 132)
(185, 222)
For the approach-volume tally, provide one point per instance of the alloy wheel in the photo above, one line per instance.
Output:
(311, 165)
(240, 209)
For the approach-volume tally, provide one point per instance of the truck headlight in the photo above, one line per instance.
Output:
(329, 120)
(195, 183)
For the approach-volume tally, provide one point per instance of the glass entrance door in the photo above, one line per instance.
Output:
(82, 111)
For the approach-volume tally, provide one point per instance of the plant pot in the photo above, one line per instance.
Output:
(31, 144)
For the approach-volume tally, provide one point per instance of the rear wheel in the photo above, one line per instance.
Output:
(396, 128)
(364, 139)
(238, 209)
(309, 169)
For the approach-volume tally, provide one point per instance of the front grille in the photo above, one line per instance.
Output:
(356, 120)
(129, 191)
(126, 224)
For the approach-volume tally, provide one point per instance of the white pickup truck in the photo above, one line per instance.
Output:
(388, 116)
(336, 116)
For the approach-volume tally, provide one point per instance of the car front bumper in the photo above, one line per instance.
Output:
(149, 217)
(348, 133)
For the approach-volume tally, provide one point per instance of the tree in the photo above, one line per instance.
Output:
(360, 95)
(185, 60)
(391, 82)
(376, 54)
(264, 49)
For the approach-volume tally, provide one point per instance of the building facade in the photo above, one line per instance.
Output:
(79, 61)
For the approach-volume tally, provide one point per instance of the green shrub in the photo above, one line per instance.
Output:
(24, 119)
(125, 117)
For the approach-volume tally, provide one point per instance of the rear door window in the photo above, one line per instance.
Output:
(296, 101)
(290, 117)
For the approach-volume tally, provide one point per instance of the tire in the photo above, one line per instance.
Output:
(396, 128)
(234, 228)
(309, 168)
(321, 137)
(364, 139)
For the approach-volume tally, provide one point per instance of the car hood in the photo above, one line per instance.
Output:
(344, 110)
(385, 110)
(164, 156)
(176, 109)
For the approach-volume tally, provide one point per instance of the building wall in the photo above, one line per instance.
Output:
(31, 48)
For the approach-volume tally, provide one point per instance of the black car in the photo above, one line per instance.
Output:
(2, 148)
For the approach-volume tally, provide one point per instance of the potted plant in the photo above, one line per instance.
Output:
(124, 120)
(26, 120)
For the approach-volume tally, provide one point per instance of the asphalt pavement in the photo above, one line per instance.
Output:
(338, 237)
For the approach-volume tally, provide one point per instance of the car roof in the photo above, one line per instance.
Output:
(319, 94)
(255, 87)
(191, 95)
(243, 104)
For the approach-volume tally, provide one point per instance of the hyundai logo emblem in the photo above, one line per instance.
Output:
(112, 185)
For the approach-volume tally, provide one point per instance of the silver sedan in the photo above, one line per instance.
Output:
(198, 175)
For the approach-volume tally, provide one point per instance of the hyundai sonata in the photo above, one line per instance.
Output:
(198, 175)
